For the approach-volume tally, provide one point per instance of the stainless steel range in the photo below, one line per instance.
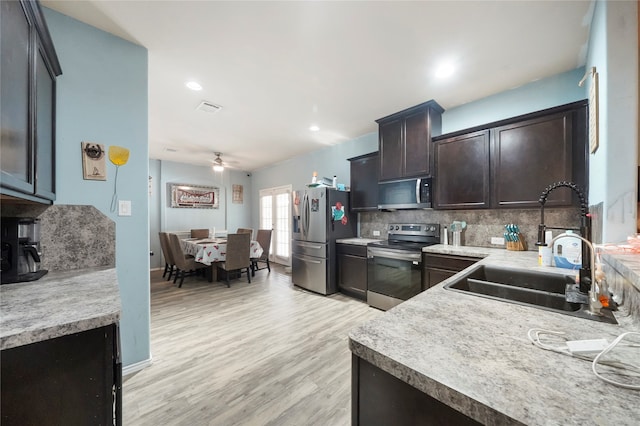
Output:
(395, 266)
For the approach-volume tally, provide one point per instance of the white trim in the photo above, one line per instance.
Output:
(138, 366)
(157, 269)
(273, 193)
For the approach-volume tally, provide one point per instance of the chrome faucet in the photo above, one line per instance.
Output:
(588, 264)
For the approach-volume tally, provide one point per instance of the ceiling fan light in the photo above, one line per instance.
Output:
(218, 168)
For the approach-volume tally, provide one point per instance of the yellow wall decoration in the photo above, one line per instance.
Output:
(118, 156)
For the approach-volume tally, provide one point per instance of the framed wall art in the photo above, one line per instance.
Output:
(94, 165)
(237, 194)
(194, 196)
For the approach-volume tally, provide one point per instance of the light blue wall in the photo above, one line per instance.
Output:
(545, 93)
(297, 171)
(102, 97)
(613, 50)
(155, 209)
(597, 56)
(228, 216)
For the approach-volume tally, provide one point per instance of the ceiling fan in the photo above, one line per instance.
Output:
(218, 165)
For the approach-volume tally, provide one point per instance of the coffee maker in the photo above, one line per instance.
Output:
(20, 241)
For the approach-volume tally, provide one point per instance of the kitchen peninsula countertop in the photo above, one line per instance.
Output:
(628, 265)
(473, 354)
(58, 304)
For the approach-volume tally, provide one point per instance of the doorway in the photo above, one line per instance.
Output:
(275, 213)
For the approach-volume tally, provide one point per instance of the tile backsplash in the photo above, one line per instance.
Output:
(481, 224)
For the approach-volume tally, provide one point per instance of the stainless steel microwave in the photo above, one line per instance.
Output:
(405, 194)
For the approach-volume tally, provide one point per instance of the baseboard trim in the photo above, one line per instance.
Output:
(157, 269)
(138, 366)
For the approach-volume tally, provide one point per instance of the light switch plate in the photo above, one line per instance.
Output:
(499, 241)
(376, 233)
(124, 208)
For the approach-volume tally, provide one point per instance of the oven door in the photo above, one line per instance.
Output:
(393, 276)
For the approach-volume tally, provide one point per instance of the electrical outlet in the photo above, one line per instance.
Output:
(499, 241)
(376, 233)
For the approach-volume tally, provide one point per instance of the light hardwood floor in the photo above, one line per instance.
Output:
(265, 353)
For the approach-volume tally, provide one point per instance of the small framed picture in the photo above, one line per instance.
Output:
(94, 165)
(237, 194)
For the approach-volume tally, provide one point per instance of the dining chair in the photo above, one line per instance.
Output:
(169, 263)
(186, 265)
(237, 258)
(264, 239)
(245, 231)
(199, 233)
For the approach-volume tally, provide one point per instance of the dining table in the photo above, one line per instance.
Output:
(212, 250)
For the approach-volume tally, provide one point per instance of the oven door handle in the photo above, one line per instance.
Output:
(393, 254)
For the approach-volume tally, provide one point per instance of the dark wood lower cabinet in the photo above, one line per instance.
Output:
(69, 380)
(439, 267)
(378, 398)
(352, 270)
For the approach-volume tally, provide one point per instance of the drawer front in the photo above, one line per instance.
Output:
(309, 248)
(453, 263)
(352, 249)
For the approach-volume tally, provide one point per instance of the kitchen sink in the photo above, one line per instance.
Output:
(544, 290)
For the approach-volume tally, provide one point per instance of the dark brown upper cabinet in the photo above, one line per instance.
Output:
(508, 164)
(364, 182)
(405, 141)
(27, 102)
(462, 171)
(530, 155)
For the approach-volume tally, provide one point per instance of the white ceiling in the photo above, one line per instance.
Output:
(278, 67)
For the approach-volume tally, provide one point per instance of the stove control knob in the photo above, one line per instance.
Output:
(397, 227)
(391, 228)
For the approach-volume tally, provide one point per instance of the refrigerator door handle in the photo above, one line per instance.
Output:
(309, 245)
(308, 260)
(305, 215)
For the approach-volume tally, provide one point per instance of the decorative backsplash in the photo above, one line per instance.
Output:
(481, 224)
(76, 237)
(71, 237)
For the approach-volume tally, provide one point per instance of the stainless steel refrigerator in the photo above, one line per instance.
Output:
(320, 217)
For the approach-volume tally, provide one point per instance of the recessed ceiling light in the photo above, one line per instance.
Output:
(444, 70)
(193, 85)
(314, 128)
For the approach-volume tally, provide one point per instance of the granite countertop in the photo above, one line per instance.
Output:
(358, 241)
(473, 354)
(628, 265)
(58, 304)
